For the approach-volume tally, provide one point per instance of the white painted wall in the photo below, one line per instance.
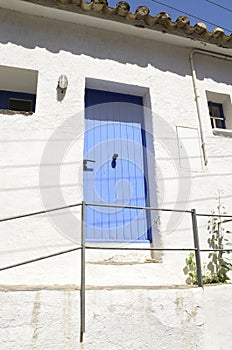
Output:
(89, 55)
(179, 318)
(116, 319)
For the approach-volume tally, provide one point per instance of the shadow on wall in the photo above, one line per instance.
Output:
(82, 40)
(102, 44)
(216, 69)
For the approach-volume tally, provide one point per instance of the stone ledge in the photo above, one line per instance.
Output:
(72, 287)
(222, 132)
(9, 112)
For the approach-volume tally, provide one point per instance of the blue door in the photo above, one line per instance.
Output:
(115, 167)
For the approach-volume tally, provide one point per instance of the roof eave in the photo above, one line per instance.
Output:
(51, 9)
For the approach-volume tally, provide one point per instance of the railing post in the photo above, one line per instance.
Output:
(82, 287)
(197, 248)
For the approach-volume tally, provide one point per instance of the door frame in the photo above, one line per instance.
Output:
(144, 92)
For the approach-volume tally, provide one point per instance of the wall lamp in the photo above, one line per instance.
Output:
(62, 83)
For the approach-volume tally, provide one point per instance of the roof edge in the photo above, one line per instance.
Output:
(141, 24)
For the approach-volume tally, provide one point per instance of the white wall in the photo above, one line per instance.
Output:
(52, 48)
(116, 319)
(125, 306)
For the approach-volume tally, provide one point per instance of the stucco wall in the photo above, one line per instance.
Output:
(117, 319)
(124, 308)
(163, 72)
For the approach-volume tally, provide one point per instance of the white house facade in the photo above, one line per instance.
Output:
(104, 113)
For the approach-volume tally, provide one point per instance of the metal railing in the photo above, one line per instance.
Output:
(196, 249)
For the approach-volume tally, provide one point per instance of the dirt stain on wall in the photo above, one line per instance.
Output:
(35, 319)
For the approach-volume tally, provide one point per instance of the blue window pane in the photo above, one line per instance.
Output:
(11, 97)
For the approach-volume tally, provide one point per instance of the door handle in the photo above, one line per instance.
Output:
(85, 163)
(114, 158)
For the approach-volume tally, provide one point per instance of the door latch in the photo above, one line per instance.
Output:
(114, 158)
(85, 163)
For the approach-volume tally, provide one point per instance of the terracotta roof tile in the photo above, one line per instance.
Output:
(142, 18)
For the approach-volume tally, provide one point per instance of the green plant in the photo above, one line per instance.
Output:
(218, 266)
(190, 269)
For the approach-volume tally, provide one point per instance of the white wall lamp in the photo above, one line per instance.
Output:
(62, 83)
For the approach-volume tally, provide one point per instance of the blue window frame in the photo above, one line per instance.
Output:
(17, 101)
(217, 117)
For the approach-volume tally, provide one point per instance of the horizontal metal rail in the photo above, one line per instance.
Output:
(107, 248)
(40, 212)
(142, 249)
(216, 250)
(215, 215)
(155, 209)
(39, 259)
(110, 206)
(224, 222)
(116, 206)
(159, 249)
(112, 247)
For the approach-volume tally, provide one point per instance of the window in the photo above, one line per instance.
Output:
(17, 89)
(17, 104)
(220, 113)
(216, 115)
(17, 101)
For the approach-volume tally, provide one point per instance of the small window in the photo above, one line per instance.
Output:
(216, 115)
(17, 104)
(220, 112)
(18, 89)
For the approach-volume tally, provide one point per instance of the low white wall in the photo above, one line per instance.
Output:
(218, 316)
(136, 319)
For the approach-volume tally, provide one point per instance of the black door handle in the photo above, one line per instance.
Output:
(114, 158)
